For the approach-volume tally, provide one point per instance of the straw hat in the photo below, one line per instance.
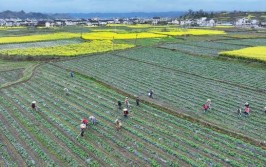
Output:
(124, 109)
(265, 108)
(208, 100)
(34, 102)
(246, 103)
(82, 126)
(116, 120)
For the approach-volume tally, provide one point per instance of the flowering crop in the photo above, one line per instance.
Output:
(9, 28)
(133, 26)
(42, 37)
(111, 35)
(68, 50)
(110, 30)
(254, 53)
(39, 44)
(191, 32)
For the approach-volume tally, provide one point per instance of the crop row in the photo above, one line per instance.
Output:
(178, 90)
(143, 116)
(252, 53)
(248, 42)
(84, 48)
(214, 45)
(211, 68)
(26, 137)
(39, 37)
(9, 76)
(6, 155)
(190, 49)
(142, 141)
(55, 140)
(39, 44)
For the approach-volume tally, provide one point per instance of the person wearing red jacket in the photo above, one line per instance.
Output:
(207, 105)
(247, 109)
(85, 121)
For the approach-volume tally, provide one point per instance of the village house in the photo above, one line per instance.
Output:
(2, 22)
(242, 22)
(174, 22)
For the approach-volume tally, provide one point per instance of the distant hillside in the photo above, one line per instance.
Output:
(32, 15)
(239, 14)
(224, 16)
(126, 15)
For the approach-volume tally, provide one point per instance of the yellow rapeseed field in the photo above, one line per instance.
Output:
(224, 26)
(110, 30)
(254, 53)
(41, 37)
(111, 35)
(145, 26)
(94, 46)
(9, 28)
(136, 25)
(190, 32)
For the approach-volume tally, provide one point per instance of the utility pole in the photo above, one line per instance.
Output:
(136, 39)
(81, 31)
(113, 42)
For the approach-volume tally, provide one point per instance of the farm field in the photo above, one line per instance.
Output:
(39, 37)
(201, 66)
(39, 44)
(9, 76)
(169, 143)
(246, 42)
(191, 49)
(205, 48)
(253, 53)
(13, 72)
(95, 46)
(178, 90)
(183, 68)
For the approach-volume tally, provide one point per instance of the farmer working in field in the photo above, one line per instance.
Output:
(207, 105)
(239, 111)
(119, 105)
(66, 91)
(125, 110)
(247, 109)
(92, 119)
(85, 121)
(82, 129)
(127, 102)
(118, 124)
(150, 94)
(265, 109)
(72, 74)
(33, 105)
(137, 101)
(208, 102)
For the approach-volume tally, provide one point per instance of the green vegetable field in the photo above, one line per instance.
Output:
(171, 129)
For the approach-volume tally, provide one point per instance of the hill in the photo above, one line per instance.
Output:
(31, 15)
